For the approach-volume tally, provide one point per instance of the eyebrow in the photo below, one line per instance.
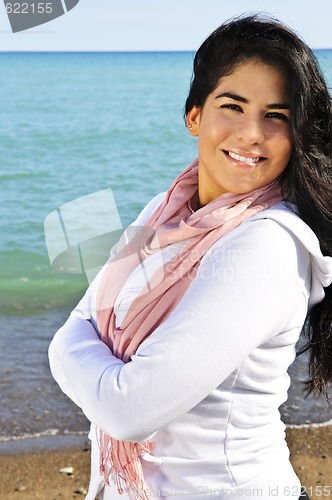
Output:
(239, 98)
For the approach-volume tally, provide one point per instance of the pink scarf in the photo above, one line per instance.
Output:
(173, 221)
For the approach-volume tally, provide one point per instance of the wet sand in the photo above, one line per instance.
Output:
(32, 476)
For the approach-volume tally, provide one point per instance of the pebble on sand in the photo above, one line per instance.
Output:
(67, 470)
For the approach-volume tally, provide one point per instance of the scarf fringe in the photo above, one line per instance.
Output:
(123, 460)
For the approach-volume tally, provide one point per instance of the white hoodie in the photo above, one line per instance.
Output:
(206, 386)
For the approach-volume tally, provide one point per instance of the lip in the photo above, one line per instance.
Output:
(242, 158)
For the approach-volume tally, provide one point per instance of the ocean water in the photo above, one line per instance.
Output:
(73, 124)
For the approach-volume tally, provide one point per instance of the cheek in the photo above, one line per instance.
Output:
(283, 147)
(215, 129)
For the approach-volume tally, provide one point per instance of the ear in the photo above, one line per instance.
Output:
(193, 120)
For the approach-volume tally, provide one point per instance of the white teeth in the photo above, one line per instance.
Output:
(243, 159)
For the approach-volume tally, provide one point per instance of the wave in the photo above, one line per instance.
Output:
(17, 176)
(309, 426)
(46, 433)
(49, 440)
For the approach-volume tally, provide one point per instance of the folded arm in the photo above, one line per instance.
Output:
(244, 293)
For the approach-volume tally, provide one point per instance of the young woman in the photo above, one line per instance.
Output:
(178, 353)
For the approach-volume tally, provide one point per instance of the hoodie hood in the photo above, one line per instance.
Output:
(321, 266)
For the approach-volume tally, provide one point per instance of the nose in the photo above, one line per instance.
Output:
(250, 130)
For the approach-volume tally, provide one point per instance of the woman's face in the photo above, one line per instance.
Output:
(243, 129)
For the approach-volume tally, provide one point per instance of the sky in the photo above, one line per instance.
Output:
(145, 25)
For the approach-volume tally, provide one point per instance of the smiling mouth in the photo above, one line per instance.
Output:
(243, 159)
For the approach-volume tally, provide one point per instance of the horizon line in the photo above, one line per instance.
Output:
(147, 51)
(97, 51)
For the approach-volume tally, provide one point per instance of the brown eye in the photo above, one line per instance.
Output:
(234, 107)
(278, 116)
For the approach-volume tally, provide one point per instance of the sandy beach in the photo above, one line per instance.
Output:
(31, 476)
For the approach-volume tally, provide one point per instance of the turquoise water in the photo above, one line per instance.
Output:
(73, 124)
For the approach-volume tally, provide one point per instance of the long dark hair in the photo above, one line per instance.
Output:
(307, 179)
